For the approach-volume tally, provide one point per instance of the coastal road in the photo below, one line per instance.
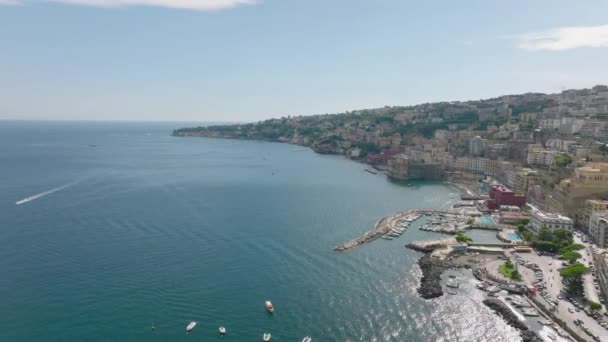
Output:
(553, 284)
(590, 290)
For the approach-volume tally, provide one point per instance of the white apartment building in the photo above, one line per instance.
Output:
(598, 228)
(553, 221)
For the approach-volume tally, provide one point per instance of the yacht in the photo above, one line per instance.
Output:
(269, 307)
(307, 339)
(266, 337)
(222, 330)
(190, 326)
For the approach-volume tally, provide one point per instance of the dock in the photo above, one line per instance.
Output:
(385, 225)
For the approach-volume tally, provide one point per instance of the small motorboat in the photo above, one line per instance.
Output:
(307, 339)
(190, 326)
(266, 337)
(222, 330)
(387, 237)
(452, 292)
(269, 306)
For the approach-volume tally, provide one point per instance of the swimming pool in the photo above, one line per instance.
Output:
(487, 220)
(513, 236)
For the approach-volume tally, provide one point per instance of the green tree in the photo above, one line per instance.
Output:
(571, 247)
(574, 275)
(594, 306)
(508, 263)
(571, 256)
(515, 275)
(460, 237)
(563, 160)
(574, 271)
(545, 246)
(521, 227)
(545, 234)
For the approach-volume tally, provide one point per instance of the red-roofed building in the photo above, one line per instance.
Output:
(501, 195)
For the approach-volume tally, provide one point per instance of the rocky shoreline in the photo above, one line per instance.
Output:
(502, 310)
(430, 282)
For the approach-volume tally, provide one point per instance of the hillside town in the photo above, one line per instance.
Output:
(533, 164)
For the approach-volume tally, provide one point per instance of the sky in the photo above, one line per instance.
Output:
(248, 60)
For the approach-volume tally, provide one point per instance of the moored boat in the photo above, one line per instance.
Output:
(266, 337)
(269, 306)
(190, 326)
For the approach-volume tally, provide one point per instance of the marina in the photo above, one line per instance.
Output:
(395, 225)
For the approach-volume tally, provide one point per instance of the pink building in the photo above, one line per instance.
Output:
(501, 195)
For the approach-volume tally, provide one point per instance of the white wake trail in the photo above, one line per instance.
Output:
(42, 194)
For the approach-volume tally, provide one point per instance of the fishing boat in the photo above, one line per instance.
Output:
(222, 330)
(307, 339)
(266, 337)
(190, 326)
(269, 306)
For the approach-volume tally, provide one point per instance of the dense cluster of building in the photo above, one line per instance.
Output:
(545, 149)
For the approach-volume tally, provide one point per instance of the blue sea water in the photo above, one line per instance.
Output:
(121, 226)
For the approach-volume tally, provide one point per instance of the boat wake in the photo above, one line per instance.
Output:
(42, 194)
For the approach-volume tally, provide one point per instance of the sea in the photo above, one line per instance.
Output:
(117, 231)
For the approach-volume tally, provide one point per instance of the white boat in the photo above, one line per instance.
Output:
(190, 326)
(222, 330)
(269, 306)
(307, 339)
(387, 237)
(266, 337)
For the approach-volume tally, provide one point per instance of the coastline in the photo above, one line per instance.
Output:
(432, 269)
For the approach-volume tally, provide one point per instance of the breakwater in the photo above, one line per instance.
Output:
(385, 225)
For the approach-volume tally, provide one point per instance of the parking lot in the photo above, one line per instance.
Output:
(543, 273)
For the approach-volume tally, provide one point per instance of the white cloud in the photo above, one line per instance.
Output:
(564, 38)
(201, 5)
